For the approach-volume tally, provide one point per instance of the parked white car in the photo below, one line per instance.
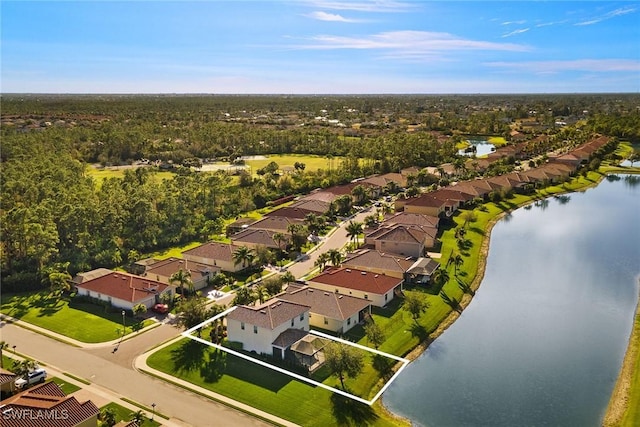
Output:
(34, 377)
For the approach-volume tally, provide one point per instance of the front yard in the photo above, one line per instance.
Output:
(82, 321)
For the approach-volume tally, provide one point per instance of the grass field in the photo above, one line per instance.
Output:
(100, 174)
(312, 163)
(632, 414)
(84, 322)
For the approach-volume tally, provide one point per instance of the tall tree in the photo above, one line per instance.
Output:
(415, 305)
(374, 333)
(343, 360)
(354, 229)
(243, 256)
(335, 256)
(182, 278)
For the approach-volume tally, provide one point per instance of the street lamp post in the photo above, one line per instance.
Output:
(14, 350)
(124, 326)
(153, 413)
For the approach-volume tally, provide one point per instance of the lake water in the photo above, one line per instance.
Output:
(482, 147)
(542, 342)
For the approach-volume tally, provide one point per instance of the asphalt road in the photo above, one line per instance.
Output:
(114, 371)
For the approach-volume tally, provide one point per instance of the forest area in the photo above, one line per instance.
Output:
(55, 217)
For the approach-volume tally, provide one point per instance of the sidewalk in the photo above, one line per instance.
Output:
(67, 340)
(140, 364)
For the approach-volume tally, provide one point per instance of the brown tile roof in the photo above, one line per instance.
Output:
(256, 237)
(89, 275)
(359, 280)
(269, 315)
(289, 337)
(366, 259)
(408, 218)
(213, 250)
(434, 199)
(327, 304)
(317, 206)
(172, 265)
(124, 286)
(403, 233)
(291, 212)
(275, 223)
(321, 196)
(48, 406)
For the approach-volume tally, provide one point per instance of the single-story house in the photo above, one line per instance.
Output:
(124, 290)
(257, 328)
(377, 288)
(238, 225)
(216, 254)
(48, 397)
(278, 224)
(328, 310)
(421, 270)
(90, 275)
(432, 204)
(162, 271)
(407, 218)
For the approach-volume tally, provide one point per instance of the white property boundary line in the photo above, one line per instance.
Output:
(405, 362)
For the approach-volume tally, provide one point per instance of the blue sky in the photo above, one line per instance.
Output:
(320, 46)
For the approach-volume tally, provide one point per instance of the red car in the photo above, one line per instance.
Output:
(161, 308)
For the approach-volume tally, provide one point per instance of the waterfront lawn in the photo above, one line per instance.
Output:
(632, 413)
(82, 321)
(262, 388)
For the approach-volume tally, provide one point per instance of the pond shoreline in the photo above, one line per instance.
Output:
(619, 401)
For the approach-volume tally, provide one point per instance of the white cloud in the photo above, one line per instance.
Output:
(514, 32)
(521, 22)
(364, 6)
(409, 44)
(587, 65)
(614, 13)
(332, 17)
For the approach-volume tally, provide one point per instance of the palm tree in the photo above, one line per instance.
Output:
(360, 193)
(3, 346)
(371, 221)
(440, 277)
(312, 222)
(182, 278)
(279, 238)
(243, 255)
(335, 256)
(297, 239)
(137, 417)
(457, 262)
(322, 260)
(354, 229)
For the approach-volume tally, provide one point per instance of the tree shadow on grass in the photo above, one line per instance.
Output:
(255, 374)
(348, 412)
(188, 356)
(477, 230)
(465, 287)
(213, 368)
(419, 331)
(451, 302)
(383, 365)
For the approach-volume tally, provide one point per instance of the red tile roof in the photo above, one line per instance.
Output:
(359, 280)
(45, 405)
(124, 286)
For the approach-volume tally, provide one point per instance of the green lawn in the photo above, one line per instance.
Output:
(67, 387)
(263, 388)
(81, 321)
(126, 414)
(312, 163)
(100, 174)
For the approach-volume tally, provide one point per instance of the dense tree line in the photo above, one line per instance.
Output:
(55, 217)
